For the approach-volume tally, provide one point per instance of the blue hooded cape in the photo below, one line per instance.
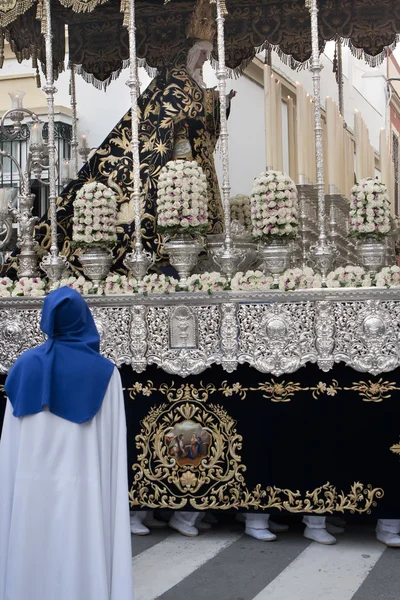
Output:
(67, 372)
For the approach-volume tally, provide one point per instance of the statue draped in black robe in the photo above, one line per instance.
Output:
(177, 119)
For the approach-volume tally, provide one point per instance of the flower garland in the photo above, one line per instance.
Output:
(6, 286)
(290, 280)
(348, 277)
(116, 284)
(241, 210)
(182, 198)
(274, 206)
(299, 279)
(95, 215)
(207, 282)
(29, 286)
(251, 280)
(369, 208)
(388, 277)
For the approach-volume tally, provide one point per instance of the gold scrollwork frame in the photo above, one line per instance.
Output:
(217, 480)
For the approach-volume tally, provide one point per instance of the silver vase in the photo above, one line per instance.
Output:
(275, 255)
(243, 242)
(183, 252)
(372, 253)
(96, 261)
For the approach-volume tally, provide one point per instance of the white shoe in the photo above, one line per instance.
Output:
(137, 527)
(319, 535)
(182, 527)
(277, 527)
(334, 529)
(392, 540)
(151, 522)
(264, 535)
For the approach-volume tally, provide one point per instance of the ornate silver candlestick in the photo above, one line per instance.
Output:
(321, 253)
(53, 264)
(228, 257)
(138, 261)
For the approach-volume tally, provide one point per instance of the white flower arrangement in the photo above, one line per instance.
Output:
(274, 206)
(29, 286)
(348, 277)
(80, 284)
(241, 210)
(95, 215)
(119, 284)
(157, 284)
(182, 198)
(6, 287)
(290, 280)
(299, 279)
(388, 277)
(369, 209)
(207, 282)
(251, 280)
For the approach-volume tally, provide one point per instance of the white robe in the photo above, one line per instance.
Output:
(64, 511)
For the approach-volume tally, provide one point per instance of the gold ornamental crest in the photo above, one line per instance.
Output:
(187, 454)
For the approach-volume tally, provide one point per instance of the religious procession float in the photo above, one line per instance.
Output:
(264, 326)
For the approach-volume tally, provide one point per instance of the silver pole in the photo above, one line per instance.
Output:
(53, 264)
(74, 141)
(137, 261)
(321, 252)
(340, 79)
(228, 258)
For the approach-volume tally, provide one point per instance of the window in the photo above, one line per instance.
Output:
(9, 176)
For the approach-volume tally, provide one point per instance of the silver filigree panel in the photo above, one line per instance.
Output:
(277, 338)
(183, 340)
(367, 335)
(19, 331)
(113, 326)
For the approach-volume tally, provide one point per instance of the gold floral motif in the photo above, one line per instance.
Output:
(140, 388)
(395, 448)
(236, 388)
(279, 392)
(373, 391)
(323, 388)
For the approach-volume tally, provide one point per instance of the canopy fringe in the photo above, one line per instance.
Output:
(80, 6)
(90, 78)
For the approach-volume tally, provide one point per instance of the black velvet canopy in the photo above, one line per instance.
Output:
(98, 41)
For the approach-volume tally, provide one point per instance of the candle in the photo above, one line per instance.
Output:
(300, 130)
(36, 134)
(278, 121)
(291, 139)
(65, 170)
(268, 117)
(16, 99)
(84, 143)
(3, 200)
(72, 173)
(330, 142)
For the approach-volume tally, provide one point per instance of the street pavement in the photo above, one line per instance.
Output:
(225, 564)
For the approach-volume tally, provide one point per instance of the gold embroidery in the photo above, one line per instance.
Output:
(280, 391)
(189, 455)
(323, 388)
(373, 391)
(395, 448)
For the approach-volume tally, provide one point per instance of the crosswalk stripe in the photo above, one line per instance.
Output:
(328, 572)
(164, 565)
